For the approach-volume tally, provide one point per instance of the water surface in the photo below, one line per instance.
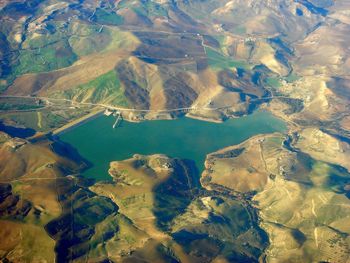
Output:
(184, 138)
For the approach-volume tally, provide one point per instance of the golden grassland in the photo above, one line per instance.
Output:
(32, 171)
(302, 204)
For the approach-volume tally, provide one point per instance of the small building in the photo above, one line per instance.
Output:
(166, 166)
(108, 112)
(117, 113)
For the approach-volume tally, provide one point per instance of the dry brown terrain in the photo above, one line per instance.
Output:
(303, 223)
(273, 198)
(324, 147)
(29, 173)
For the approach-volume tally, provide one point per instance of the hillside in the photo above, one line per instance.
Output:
(158, 55)
(280, 197)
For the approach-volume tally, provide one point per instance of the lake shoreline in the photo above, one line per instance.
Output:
(184, 138)
(77, 122)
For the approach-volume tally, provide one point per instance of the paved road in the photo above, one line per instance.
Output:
(136, 110)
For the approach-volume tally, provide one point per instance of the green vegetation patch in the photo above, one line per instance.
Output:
(150, 8)
(48, 58)
(91, 39)
(273, 82)
(146, 8)
(106, 17)
(5, 106)
(86, 45)
(30, 120)
(217, 60)
(291, 78)
(47, 51)
(82, 38)
(44, 40)
(240, 30)
(27, 119)
(46, 119)
(106, 88)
